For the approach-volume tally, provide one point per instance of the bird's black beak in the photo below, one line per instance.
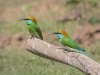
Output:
(52, 33)
(21, 19)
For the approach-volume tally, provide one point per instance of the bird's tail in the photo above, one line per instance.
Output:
(82, 52)
(78, 51)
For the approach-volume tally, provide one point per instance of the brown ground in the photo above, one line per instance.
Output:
(87, 34)
(14, 41)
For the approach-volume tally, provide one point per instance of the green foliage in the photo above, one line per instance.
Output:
(76, 2)
(93, 3)
(73, 2)
(94, 20)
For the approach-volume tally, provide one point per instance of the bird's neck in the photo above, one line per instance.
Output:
(59, 36)
(29, 22)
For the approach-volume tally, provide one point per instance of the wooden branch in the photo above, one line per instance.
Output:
(77, 60)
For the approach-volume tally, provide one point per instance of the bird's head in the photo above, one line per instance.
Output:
(60, 34)
(29, 20)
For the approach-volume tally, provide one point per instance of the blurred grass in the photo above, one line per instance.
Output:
(16, 61)
(21, 62)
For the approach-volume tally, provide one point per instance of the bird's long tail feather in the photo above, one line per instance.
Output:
(78, 51)
(82, 52)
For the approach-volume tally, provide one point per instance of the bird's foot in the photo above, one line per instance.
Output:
(68, 50)
(32, 37)
(65, 49)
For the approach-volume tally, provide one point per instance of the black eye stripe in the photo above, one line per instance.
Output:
(27, 19)
(58, 33)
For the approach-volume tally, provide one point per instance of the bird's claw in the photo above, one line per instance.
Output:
(32, 37)
(64, 49)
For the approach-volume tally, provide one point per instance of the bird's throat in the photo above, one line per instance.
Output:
(59, 36)
(29, 22)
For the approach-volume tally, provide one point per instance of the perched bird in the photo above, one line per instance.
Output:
(68, 42)
(33, 27)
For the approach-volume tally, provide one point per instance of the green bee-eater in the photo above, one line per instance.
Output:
(33, 27)
(66, 41)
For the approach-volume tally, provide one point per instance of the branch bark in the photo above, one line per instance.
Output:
(49, 51)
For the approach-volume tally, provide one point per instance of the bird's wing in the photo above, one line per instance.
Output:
(70, 43)
(39, 31)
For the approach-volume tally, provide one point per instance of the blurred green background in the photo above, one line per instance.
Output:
(79, 18)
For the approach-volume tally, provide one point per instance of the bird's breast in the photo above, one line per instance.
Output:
(32, 30)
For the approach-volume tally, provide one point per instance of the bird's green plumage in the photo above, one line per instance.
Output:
(69, 43)
(34, 29)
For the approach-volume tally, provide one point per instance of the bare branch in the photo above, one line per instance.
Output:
(77, 60)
